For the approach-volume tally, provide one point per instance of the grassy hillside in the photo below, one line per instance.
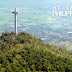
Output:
(26, 53)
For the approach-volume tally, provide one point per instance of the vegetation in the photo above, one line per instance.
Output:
(26, 53)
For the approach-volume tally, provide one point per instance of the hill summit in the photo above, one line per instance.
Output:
(26, 53)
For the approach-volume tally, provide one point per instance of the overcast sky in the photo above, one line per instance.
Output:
(30, 3)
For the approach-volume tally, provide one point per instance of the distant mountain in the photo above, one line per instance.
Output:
(26, 53)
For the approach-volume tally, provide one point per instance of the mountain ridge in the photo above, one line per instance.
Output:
(26, 53)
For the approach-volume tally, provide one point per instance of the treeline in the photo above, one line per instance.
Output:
(26, 53)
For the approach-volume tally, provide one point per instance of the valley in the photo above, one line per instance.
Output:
(38, 21)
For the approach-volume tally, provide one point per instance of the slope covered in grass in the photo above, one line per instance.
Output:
(25, 53)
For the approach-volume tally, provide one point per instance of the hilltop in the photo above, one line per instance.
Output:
(26, 53)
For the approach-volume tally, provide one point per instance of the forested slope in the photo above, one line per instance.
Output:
(26, 53)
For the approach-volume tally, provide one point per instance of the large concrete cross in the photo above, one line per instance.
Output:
(15, 12)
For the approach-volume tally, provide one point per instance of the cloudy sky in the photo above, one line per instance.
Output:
(30, 3)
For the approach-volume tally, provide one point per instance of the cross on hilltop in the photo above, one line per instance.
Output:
(15, 12)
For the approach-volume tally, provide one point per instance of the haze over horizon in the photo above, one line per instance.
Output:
(30, 3)
(36, 18)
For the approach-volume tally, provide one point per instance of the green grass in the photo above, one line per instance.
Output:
(26, 53)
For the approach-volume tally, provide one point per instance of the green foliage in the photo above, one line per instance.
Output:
(25, 53)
